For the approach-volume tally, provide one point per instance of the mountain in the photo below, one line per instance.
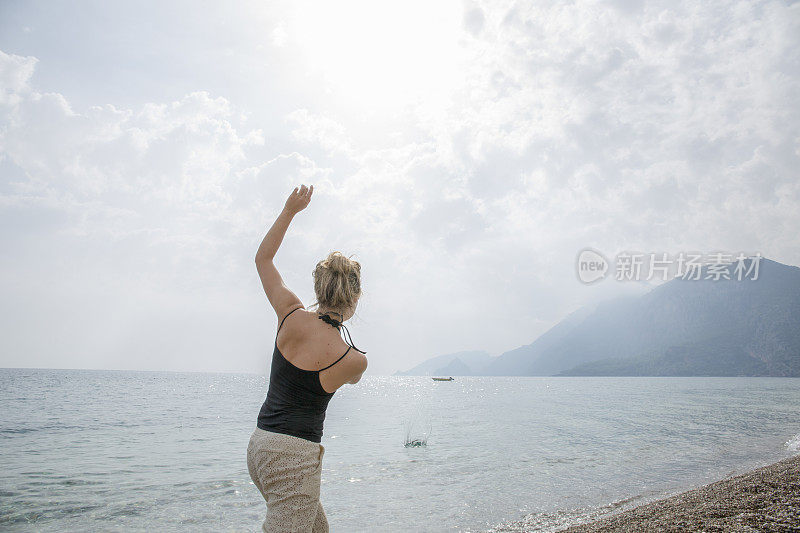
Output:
(680, 328)
(456, 367)
(717, 357)
(683, 327)
(470, 363)
(517, 362)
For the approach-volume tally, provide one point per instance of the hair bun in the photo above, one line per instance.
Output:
(337, 281)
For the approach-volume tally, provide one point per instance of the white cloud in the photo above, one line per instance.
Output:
(279, 35)
(656, 126)
(15, 73)
(321, 130)
(138, 204)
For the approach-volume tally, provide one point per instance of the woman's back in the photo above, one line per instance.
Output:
(309, 343)
(310, 364)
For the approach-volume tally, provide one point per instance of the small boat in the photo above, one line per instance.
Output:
(443, 379)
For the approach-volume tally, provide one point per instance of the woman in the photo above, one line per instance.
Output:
(309, 363)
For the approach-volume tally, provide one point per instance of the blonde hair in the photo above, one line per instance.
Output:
(337, 282)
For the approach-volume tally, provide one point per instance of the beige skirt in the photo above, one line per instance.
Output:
(288, 472)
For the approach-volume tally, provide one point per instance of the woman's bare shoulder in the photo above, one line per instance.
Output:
(358, 361)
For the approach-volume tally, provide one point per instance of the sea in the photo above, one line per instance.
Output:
(84, 450)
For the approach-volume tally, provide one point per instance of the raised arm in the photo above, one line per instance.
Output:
(282, 299)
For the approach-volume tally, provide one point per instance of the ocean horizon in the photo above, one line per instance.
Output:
(97, 450)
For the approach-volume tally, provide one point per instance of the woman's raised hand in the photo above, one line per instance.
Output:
(298, 199)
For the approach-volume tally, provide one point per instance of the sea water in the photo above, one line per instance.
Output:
(139, 451)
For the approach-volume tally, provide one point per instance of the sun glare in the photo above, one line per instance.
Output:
(380, 55)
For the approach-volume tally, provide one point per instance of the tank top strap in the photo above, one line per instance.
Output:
(349, 339)
(342, 329)
(287, 316)
(342, 357)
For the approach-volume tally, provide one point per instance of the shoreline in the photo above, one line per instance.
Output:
(764, 499)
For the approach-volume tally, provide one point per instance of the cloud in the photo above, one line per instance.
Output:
(132, 215)
(474, 20)
(187, 156)
(320, 130)
(15, 73)
(581, 125)
(660, 127)
(279, 35)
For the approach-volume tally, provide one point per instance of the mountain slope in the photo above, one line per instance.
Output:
(727, 327)
(465, 364)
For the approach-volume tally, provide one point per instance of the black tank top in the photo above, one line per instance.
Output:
(296, 402)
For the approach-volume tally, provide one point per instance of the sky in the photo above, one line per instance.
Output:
(463, 152)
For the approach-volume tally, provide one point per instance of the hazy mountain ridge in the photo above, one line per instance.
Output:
(681, 328)
(467, 363)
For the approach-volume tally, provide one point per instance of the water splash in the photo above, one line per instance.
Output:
(793, 444)
(413, 442)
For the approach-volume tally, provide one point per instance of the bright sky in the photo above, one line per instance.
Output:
(464, 152)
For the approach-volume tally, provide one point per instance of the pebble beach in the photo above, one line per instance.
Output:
(766, 500)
